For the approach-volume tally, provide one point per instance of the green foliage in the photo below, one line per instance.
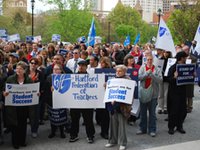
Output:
(183, 22)
(126, 20)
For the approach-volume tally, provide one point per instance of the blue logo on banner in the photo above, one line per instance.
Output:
(9, 86)
(61, 83)
(162, 31)
(199, 30)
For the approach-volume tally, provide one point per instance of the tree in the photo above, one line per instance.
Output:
(184, 21)
(126, 20)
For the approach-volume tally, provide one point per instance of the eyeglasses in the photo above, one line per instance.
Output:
(75, 52)
(56, 69)
(33, 63)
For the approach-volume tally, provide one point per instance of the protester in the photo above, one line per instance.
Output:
(87, 114)
(16, 116)
(117, 118)
(34, 111)
(60, 119)
(72, 64)
(150, 77)
(176, 102)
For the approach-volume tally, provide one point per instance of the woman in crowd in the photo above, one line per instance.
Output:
(60, 119)
(149, 76)
(34, 111)
(102, 115)
(117, 117)
(16, 116)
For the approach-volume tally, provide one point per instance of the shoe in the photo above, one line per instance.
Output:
(171, 131)
(105, 136)
(189, 110)
(23, 145)
(159, 111)
(165, 112)
(152, 134)
(62, 135)
(139, 132)
(73, 139)
(90, 140)
(181, 130)
(51, 135)
(34, 135)
(41, 122)
(131, 123)
(16, 146)
(7, 130)
(122, 147)
(109, 145)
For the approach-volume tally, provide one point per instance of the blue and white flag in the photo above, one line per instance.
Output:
(137, 39)
(164, 38)
(56, 38)
(13, 38)
(92, 34)
(127, 40)
(197, 38)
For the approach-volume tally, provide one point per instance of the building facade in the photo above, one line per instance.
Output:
(149, 7)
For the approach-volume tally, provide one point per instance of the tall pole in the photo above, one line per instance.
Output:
(109, 32)
(159, 15)
(32, 4)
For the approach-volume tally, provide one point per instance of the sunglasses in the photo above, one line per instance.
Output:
(33, 63)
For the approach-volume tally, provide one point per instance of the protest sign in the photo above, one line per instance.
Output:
(110, 73)
(158, 63)
(120, 90)
(22, 95)
(37, 39)
(56, 37)
(185, 74)
(78, 90)
(135, 108)
(13, 38)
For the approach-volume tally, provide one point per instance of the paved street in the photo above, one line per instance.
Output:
(135, 142)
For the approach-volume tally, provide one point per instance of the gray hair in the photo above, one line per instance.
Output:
(123, 67)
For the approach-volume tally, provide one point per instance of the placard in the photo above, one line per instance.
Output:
(22, 95)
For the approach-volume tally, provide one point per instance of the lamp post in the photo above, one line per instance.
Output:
(159, 12)
(32, 7)
(108, 31)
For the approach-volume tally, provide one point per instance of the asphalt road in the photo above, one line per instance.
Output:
(135, 142)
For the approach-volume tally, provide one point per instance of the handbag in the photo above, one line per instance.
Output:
(146, 94)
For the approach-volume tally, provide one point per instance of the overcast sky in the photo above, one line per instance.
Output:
(39, 6)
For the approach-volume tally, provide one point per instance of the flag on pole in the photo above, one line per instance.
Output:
(137, 39)
(127, 40)
(164, 38)
(92, 34)
(197, 39)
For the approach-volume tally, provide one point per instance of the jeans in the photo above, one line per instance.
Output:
(151, 106)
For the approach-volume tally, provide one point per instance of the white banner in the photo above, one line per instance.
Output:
(164, 38)
(120, 90)
(78, 90)
(22, 95)
(170, 62)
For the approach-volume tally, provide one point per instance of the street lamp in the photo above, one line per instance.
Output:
(159, 12)
(108, 31)
(32, 6)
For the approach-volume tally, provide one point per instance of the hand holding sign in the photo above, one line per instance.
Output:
(175, 74)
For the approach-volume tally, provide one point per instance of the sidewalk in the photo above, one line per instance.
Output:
(194, 145)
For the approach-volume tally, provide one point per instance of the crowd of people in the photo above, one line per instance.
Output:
(23, 63)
